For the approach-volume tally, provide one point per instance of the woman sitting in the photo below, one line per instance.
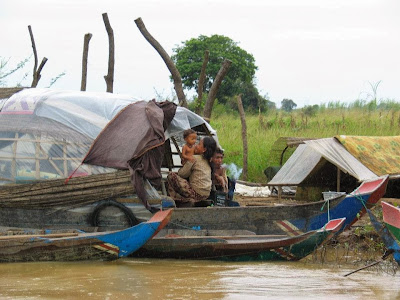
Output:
(192, 183)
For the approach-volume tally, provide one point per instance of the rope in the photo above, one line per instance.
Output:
(327, 201)
(358, 197)
(196, 228)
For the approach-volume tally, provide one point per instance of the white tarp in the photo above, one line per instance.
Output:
(333, 151)
(307, 156)
(252, 191)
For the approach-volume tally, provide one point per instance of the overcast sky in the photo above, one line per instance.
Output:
(310, 51)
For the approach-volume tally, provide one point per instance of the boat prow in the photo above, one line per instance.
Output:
(77, 245)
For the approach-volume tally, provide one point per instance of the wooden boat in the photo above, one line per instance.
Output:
(284, 219)
(32, 245)
(236, 245)
(391, 218)
(390, 242)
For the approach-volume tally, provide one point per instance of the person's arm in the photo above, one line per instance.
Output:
(225, 180)
(186, 170)
(220, 180)
(185, 152)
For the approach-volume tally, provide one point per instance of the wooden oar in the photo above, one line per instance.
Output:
(385, 255)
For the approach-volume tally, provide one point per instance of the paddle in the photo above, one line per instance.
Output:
(384, 256)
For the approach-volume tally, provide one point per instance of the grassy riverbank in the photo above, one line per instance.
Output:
(327, 121)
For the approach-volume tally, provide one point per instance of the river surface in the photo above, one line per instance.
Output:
(134, 278)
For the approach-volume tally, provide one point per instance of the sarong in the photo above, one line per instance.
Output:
(180, 190)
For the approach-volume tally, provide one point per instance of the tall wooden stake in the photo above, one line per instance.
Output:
(176, 76)
(244, 135)
(109, 78)
(86, 41)
(214, 89)
(202, 78)
(36, 70)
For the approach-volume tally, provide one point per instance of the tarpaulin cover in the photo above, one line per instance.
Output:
(306, 157)
(134, 139)
(138, 127)
(380, 154)
(297, 167)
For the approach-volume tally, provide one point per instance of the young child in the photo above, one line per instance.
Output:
(220, 179)
(188, 150)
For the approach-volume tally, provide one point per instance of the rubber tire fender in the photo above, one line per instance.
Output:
(94, 217)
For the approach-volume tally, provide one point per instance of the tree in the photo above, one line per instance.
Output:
(288, 105)
(252, 100)
(189, 57)
(310, 110)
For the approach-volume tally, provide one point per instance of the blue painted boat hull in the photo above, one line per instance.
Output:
(75, 245)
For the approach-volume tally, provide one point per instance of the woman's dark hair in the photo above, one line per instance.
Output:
(210, 145)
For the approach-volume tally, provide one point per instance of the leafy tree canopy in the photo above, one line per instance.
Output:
(310, 110)
(252, 100)
(288, 105)
(188, 58)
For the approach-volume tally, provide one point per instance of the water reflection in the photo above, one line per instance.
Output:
(179, 279)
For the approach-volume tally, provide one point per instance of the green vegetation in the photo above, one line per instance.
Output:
(318, 121)
(189, 57)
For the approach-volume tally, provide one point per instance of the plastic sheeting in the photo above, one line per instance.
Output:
(306, 157)
(252, 191)
(46, 133)
(334, 152)
(297, 167)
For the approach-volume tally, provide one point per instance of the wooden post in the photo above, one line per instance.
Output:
(36, 70)
(214, 89)
(65, 162)
(176, 76)
(109, 78)
(37, 158)
(86, 41)
(244, 135)
(14, 158)
(202, 78)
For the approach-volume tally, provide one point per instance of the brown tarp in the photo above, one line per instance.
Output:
(134, 140)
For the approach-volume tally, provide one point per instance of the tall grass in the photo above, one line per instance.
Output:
(333, 119)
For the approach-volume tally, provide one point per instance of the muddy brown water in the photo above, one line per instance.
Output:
(188, 279)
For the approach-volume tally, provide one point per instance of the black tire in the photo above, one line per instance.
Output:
(94, 217)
